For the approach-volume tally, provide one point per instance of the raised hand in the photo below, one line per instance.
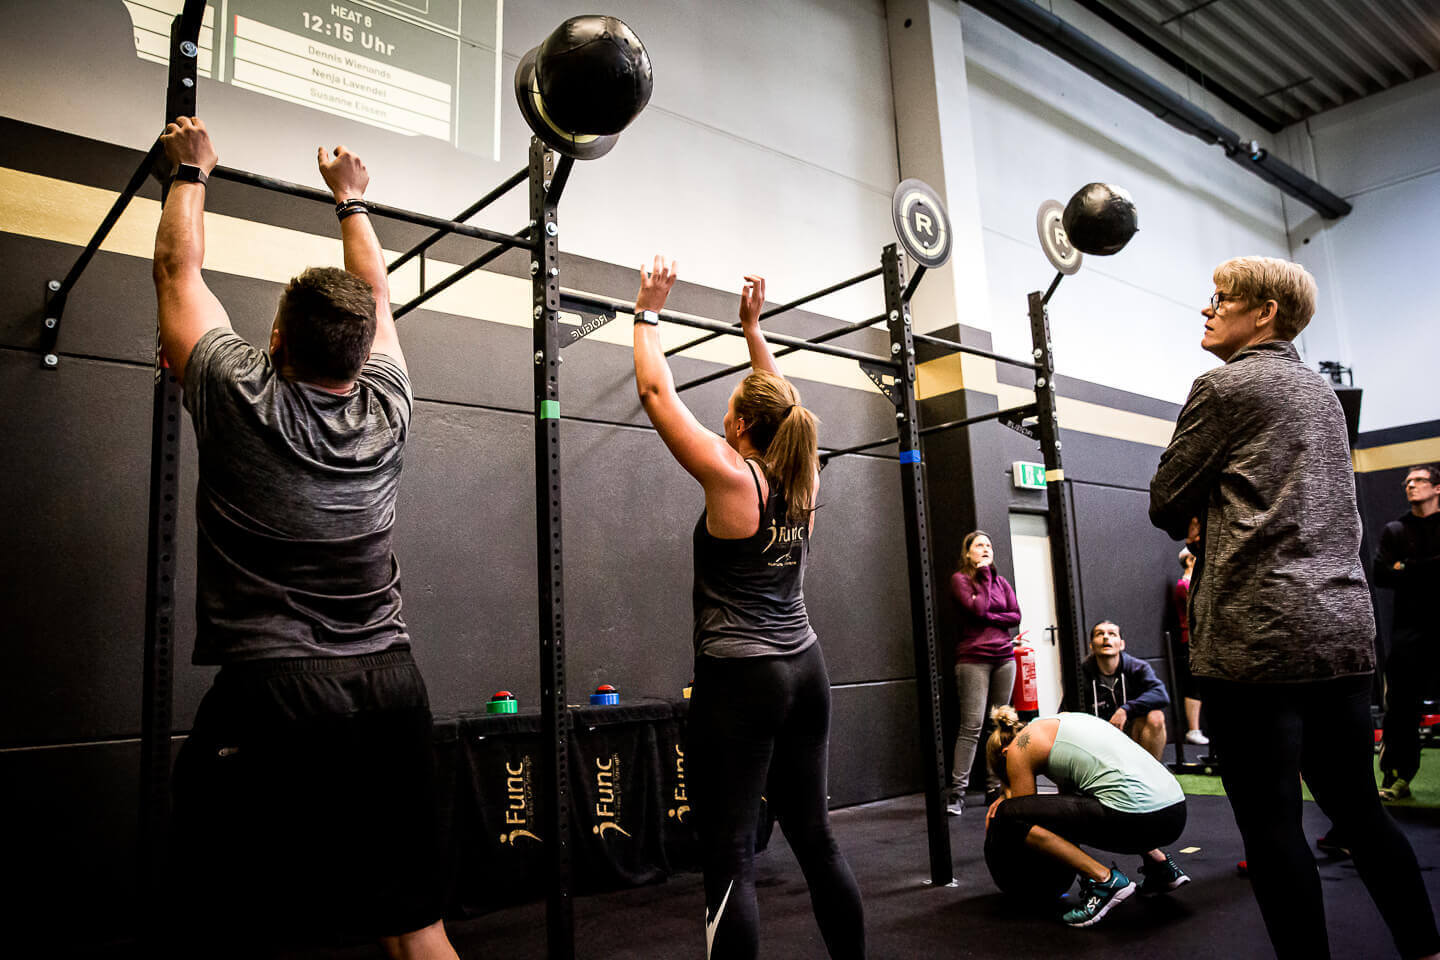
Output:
(187, 141)
(655, 284)
(752, 299)
(344, 174)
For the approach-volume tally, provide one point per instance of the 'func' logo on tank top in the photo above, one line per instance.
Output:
(787, 538)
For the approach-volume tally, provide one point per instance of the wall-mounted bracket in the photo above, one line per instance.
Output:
(53, 313)
(591, 319)
(884, 379)
(1016, 420)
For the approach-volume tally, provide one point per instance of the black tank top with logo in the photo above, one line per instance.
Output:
(749, 598)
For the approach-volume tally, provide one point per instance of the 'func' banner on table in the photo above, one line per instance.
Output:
(616, 775)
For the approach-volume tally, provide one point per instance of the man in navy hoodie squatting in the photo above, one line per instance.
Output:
(1124, 690)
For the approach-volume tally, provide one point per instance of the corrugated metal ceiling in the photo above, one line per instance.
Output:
(1290, 59)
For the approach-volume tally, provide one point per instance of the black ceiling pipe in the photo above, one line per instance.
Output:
(1221, 92)
(1043, 28)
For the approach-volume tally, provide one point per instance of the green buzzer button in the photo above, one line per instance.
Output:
(503, 702)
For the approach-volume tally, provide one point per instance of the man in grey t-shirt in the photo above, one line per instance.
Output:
(1283, 635)
(303, 795)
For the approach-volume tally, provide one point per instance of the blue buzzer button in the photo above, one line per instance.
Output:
(503, 702)
(604, 696)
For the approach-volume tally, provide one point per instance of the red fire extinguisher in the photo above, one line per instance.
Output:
(1026, 696)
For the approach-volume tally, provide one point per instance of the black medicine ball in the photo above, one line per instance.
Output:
(594, 75)
(1022, 872)
(1100, 219)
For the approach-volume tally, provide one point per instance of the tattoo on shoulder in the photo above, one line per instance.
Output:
(1023, 741)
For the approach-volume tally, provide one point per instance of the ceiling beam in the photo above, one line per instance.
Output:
(1262, 116)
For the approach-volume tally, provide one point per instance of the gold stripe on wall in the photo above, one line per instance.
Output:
(955, 372)
(1397, 456)
(60, 211)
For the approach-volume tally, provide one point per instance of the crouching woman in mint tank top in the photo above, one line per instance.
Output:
(760, 706)
(1113, 795)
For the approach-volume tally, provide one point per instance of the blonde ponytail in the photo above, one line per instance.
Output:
(1007, 726)
(787, 436)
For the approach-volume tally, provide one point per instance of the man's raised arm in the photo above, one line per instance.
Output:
(187, 308)
(347, 178)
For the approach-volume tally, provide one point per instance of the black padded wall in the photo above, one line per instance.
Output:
(76, 492)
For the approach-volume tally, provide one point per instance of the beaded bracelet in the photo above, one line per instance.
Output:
(354, 205)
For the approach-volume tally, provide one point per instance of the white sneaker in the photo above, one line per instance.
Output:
(1197, 738)
(955, 807)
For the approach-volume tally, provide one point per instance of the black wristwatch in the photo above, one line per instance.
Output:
(647, 316)
(189, 173)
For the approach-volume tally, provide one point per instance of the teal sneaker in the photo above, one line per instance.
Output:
(1161, 877)
(1098, 898)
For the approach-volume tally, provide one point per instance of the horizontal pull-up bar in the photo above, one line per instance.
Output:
(1027, 409)
(378, 209)
(723, 329)
(822, 338)
(975, 351)
(826, 456)
(1024, 410)
(454, 278)
(516, 178)
(774, 311)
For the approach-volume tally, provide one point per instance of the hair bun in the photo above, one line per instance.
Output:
(1006, 718)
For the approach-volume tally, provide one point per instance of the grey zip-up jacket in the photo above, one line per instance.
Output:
(1260, 454)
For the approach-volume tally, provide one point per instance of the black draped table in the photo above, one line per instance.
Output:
(630, 812)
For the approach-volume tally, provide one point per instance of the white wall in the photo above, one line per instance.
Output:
(1377, 267)
(768, 146)
(1042, 129)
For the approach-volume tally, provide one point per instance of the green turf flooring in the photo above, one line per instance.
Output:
(1424, 789)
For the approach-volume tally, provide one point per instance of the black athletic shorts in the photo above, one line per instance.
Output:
(305, 807)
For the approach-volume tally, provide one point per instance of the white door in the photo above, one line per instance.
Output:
(1035, 589)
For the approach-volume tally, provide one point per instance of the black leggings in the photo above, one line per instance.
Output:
(1267, 736)
(753, 718)
(1410, 673)
(1085, 820)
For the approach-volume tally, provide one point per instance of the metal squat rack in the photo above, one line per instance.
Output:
(894, 375)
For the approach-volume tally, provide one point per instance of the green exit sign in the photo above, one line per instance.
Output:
(1028, 476)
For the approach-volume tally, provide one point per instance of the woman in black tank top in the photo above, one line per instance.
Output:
(760, 706)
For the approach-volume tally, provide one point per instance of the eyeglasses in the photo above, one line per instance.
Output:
(1218, 298)
(1418, 481)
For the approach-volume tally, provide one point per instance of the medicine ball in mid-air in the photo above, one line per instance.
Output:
(584, 84)
(1100, 219)
(1022, 872)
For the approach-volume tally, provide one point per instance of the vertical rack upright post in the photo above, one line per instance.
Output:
(549, 556)
(1063, 561)
(157, 686)
(917, 551)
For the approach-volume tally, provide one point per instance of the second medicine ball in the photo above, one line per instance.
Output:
(1100, 219)
(594, 74)
(1022, 872)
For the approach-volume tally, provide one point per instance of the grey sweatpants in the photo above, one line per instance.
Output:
(979, 687)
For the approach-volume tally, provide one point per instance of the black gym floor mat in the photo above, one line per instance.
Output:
(906, 919)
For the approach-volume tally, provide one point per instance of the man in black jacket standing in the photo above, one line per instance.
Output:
(1124, 690)
(1408, 562)
(1283, 636)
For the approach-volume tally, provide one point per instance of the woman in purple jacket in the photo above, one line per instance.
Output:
(984, 656)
